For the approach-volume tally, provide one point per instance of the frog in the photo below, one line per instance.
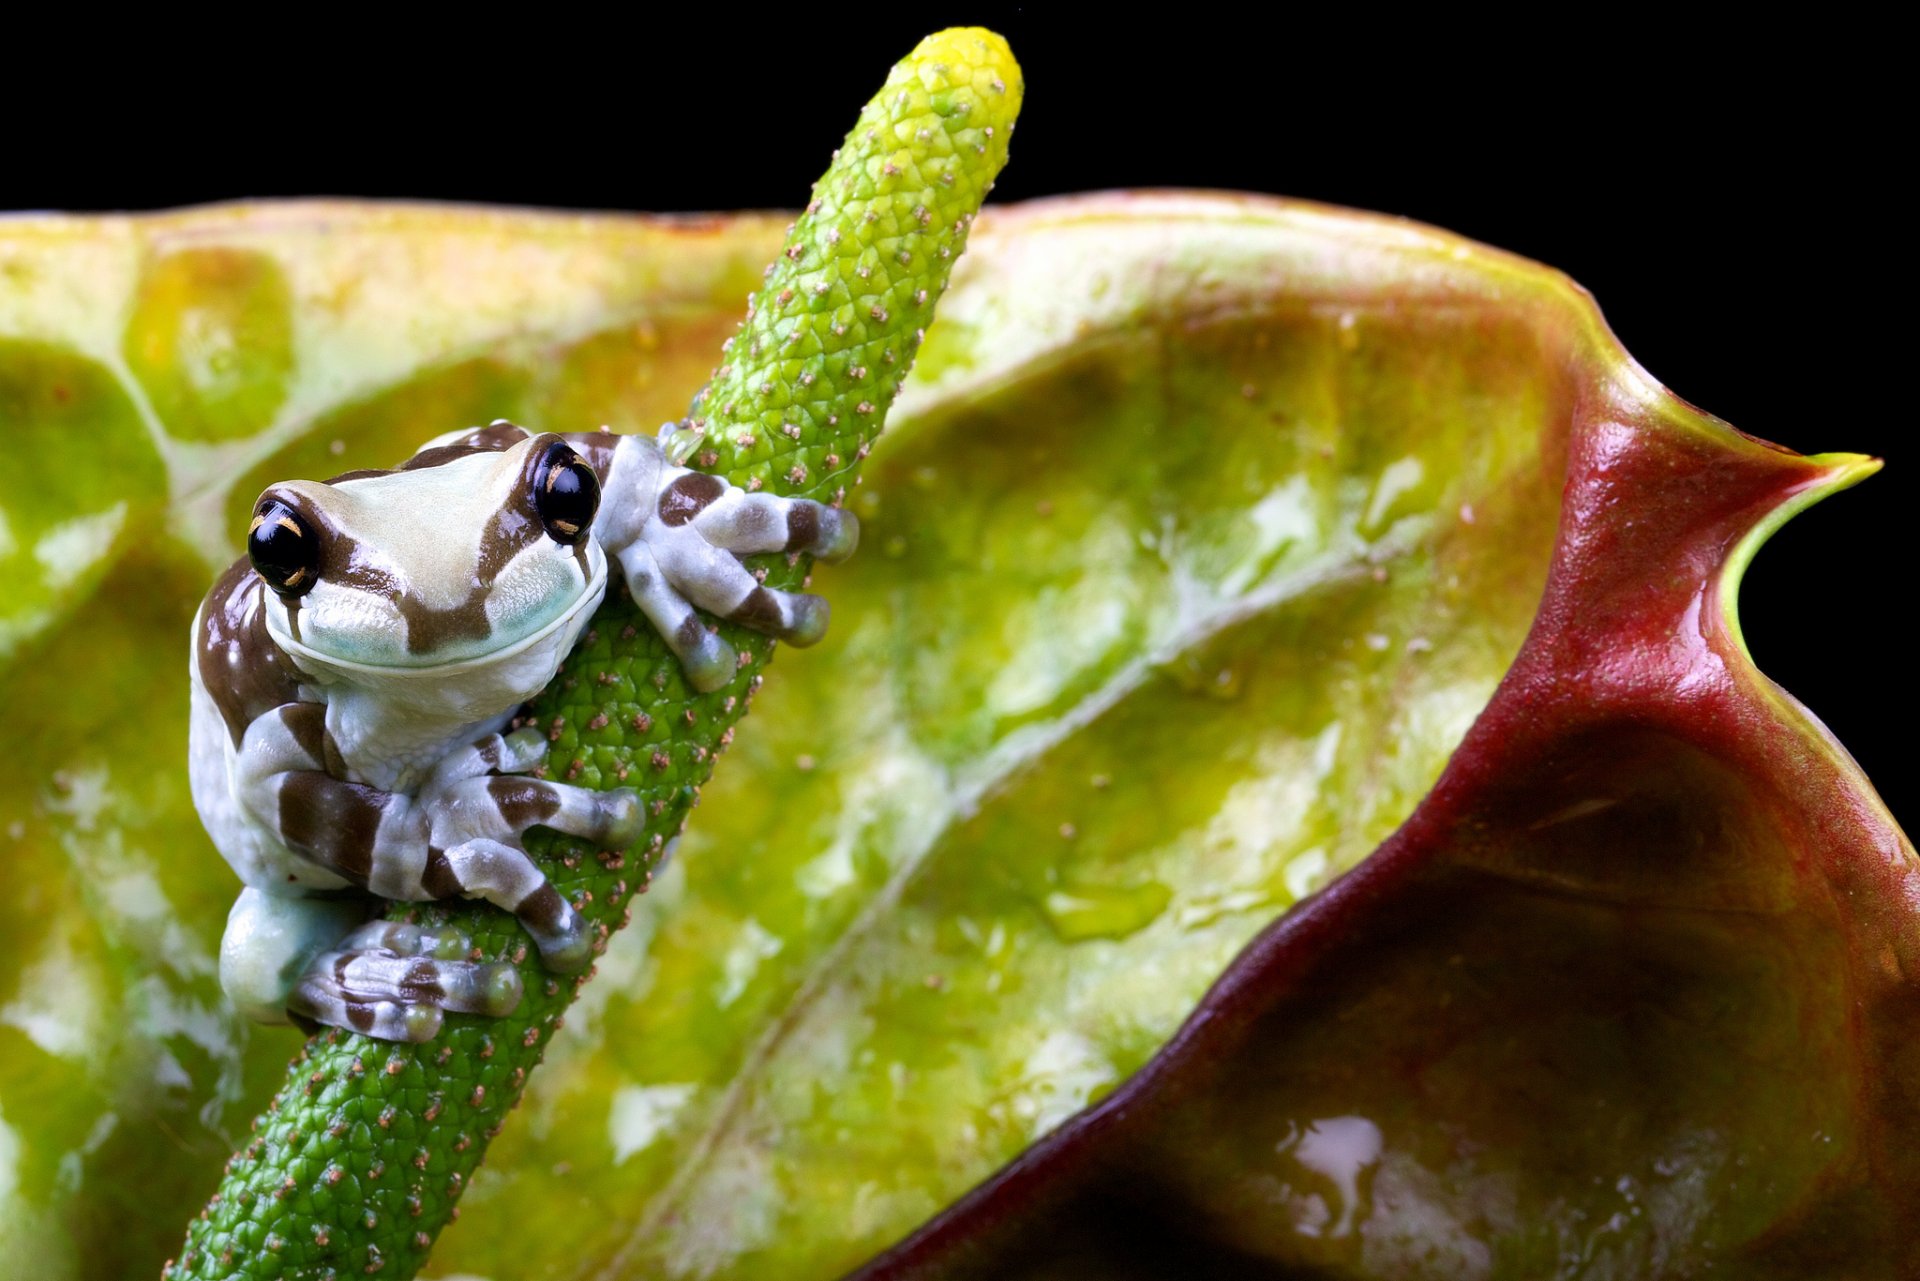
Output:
(356, 675)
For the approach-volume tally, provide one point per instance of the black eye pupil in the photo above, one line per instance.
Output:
(284, 549)
(566, 493)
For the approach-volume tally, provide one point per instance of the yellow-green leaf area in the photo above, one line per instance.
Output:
(1200, 534)
(1180, 599)
(211, 340)
(88, 480)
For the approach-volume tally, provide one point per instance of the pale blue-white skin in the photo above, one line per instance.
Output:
(374, 762)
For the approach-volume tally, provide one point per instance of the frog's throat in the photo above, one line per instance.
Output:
(314, 661)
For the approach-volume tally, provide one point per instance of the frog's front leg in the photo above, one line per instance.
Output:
(679, 536)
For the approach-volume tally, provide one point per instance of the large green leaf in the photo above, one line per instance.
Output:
(1205, 532)
(1630, 994)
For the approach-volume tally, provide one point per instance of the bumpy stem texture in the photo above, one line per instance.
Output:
(359, 1161)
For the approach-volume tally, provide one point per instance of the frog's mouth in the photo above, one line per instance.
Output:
(284, 626)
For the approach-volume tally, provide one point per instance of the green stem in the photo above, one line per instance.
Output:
(359, 1161)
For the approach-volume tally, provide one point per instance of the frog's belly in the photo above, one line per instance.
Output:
(252, 849)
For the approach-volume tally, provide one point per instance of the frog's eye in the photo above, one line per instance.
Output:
(566, 493)
(284, 549)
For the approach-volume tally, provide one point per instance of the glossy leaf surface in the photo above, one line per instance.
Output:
(1206, 531)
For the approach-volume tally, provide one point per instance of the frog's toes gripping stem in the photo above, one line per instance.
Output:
(474, 829)
(394, 981)
(459, 836)
(680, 547)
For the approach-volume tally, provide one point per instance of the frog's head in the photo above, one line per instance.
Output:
(468, 553)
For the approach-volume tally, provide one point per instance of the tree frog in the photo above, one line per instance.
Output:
(355, 674)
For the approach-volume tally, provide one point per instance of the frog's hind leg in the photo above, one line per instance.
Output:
(319, 961)
(394, 981)
(270, 941)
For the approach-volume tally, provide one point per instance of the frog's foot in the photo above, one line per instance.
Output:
(504, 876)
(474, 830)
(708, 661)
(395, 981)
(502, 806)
(679, 536)
(465, 798)
(733, 520)
(679, 570)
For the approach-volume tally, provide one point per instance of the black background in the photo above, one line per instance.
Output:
(1729, 201)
